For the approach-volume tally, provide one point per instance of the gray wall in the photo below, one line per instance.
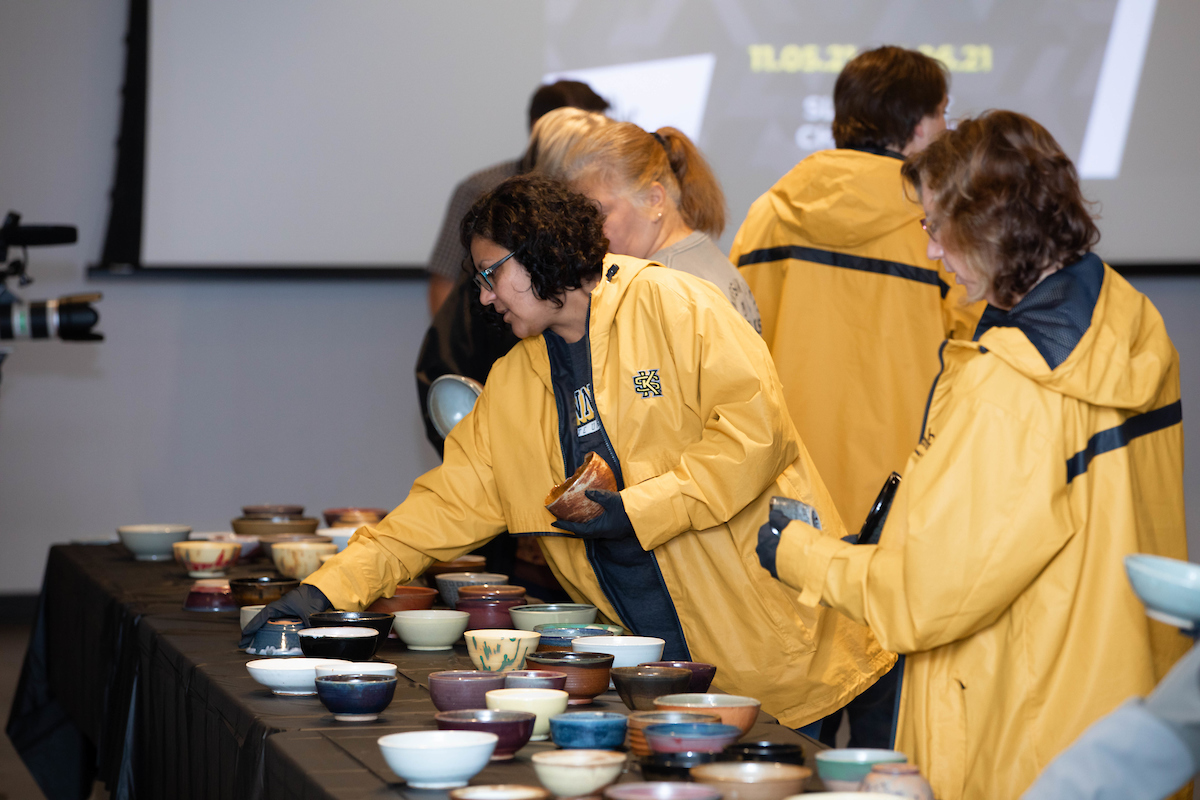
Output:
(210, 394)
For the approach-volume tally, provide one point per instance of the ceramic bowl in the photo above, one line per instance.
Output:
(695, 737)
(348, 644)
(602, 628)
(527, 617)
(1170, 588)
(358, 668)
(702, 674)
(731, 708)
(379, 622)
(640, 720)
(500, 791)
(209, 594)
(250, 544)
(568, 500)
(577, 773)
(587, 673)
(770, 752)
(406, 598)
(512, 728)
(299, 559)
(287, 676)
(269, 540)
(152, 542)
(352, 517)
(535, 679)
(672, 766)
(588, 730)
(261, 589)
(460, 689)
(260, 527)
(356, 698)
(752, 780)
(661, 790)
(489, 613)
(467, 563)
(449, 583)
(490, 591)
(247, 613)
(432, 629)
(437, 759)
(500, 650)
(450, 398)
(557, 636)
(843, 770)
(206, 559)
(273, 511)
(638, 686)
(627, 651)
(278, 637)
(545, 703)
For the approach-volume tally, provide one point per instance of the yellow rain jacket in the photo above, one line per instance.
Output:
(689, 398)
(853, 313)
(1053, 447)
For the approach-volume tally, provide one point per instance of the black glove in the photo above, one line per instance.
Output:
(299, 602)
(768, 541)
(612, 524)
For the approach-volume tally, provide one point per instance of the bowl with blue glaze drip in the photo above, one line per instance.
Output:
(500, 650)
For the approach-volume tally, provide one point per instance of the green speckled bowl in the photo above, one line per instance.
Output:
(499, 650)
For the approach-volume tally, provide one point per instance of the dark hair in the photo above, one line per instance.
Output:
(1007, 198)
(882, 94)
(556, 234)
(560, 94)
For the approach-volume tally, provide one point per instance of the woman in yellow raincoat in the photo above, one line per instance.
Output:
(1052, 447)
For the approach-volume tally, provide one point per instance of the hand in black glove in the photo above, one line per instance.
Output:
(768, 541)
(612, 524)
(299, 602)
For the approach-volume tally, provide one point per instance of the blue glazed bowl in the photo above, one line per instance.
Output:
(588, 730)
(1170, 588)
(277, 638)
(679, 737)
(356, 698)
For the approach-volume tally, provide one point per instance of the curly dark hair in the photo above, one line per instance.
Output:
(882, 94)
(557, 235)
(1007, 198)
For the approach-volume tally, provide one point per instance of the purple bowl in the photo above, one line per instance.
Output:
(460, 689)
(513, 727)
(702, 674)
(535, 679)
(678, 737)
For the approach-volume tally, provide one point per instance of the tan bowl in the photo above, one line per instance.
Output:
(300, 559)
(753, 780)
(568, 501)
(204, 559)
(731, 708)
(577, 773)
(467, 563)
(406, 598)
(249, 526)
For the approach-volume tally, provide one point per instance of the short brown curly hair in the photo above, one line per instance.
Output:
(557, 235)
(882, 94)
(1006, 198)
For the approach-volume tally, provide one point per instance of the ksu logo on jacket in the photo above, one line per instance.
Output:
(585, 412)
(647, 383)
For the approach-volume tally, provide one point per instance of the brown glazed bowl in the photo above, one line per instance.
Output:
(568, 500)
(587, 673)
(406, 598)
(731, 708)
(491, 591)
(702, 674)
(254, 526)
(640, 720)
(638, 686)
(261, 589)
(467, 563)
(352, 517)
(752, 780)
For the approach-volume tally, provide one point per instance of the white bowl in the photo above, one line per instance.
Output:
(152, 542)
(1170, 588)
(357, 668)
(577, 773)
(627, 651)
(290, 676)
(431, 629)
(340, 536)
(247, 613)
(545, 703)
(437, 759)
(450, 398)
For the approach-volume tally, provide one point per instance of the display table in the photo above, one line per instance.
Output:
(122, 684)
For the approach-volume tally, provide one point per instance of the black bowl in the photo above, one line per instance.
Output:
(356, 698)
(378, 621)
(673, 766)
(771, 752)
(351, 644)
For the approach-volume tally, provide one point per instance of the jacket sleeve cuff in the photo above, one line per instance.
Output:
(803, 560)
(656, 509)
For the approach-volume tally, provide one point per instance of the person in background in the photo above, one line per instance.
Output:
(659, 197)
(1052, 448)
(657, 374)
(853, 309)
(445, 263)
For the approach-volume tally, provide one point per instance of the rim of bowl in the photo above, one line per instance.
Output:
(501, 633)
(702, 700)
(489, 715)
(860, 755)
(580, 758)
(431, 613)
(296, 664)
(435, 740)
(356, 677)
(752, 772)
(333, 632)
(465, 675)
(152, 527)
(528, 694)
(619, 641)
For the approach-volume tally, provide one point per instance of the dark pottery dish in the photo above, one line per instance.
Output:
(535, 679)
(379, 622)
(460, 689)
(672, 766)
(513, 727)
(658, 790)
(679, 737)
(489, 613)
(588, 730)
(347, 644)
(356, 698)
(638, 686)
(273, 511)
(261, 589)
(587, 673)
(702, 674)
(771, 752)
(277, 638)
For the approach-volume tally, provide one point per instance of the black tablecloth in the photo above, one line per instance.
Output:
(122, 684)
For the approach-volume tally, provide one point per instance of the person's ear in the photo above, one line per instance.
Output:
(656, 200)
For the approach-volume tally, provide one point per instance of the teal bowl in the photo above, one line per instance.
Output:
(843, 770)
(1170, 588)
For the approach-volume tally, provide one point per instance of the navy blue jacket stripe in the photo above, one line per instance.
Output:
(1123, 434)
(845, 261)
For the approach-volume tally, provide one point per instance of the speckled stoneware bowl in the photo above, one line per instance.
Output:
(498, 650)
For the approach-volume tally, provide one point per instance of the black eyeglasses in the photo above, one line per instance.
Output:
(483, 278)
